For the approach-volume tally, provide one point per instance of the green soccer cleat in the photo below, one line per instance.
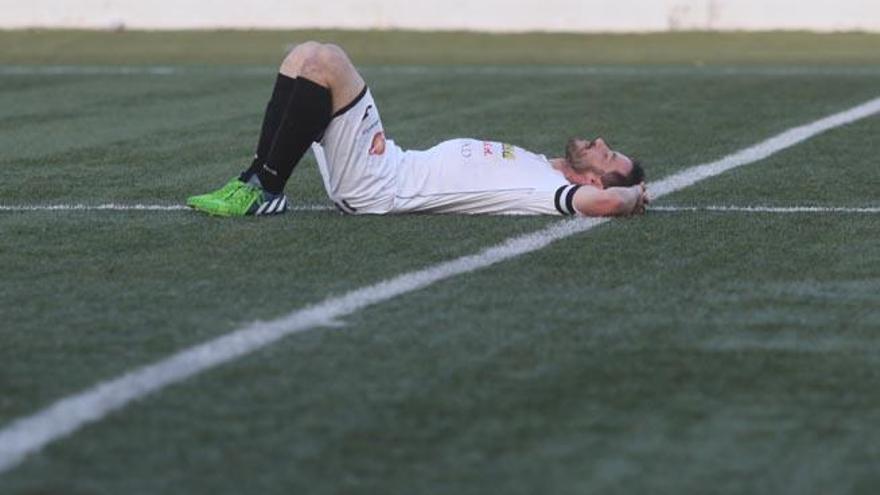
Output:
(238, 199)
(224, 192)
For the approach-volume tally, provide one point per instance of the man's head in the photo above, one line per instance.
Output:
(595, 163)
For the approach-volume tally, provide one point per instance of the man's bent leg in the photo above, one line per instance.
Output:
(281, 93)
(323, 64)
(321, 80)
(326, 82)
(305, 118)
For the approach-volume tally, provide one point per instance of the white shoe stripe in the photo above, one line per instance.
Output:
(277, 205)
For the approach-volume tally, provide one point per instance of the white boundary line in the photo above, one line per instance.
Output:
(30, 434)
(663, 208)
(129, 207)
(447, 70)
(769, 209)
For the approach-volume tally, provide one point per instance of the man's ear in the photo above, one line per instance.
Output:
(586, 178)
(594, 180)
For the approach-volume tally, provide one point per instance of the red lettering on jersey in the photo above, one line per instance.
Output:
(378, 147)
(487, 148)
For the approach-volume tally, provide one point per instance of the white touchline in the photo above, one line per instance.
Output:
(29, 434)
(769, 209)
(130, 207)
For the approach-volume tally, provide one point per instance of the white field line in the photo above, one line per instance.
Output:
(446, 70)
(768, 209)
(313, 207)
(129, 207)
(30, 434)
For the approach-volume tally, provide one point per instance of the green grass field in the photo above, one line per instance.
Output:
(678, 352)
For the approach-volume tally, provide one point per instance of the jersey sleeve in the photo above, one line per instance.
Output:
(564, 199)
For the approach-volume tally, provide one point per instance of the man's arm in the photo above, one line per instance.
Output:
(614, 201)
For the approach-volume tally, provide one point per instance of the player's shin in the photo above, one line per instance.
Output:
(305, 119)
(281, 94)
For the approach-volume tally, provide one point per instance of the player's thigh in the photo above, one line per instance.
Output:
(346, 83)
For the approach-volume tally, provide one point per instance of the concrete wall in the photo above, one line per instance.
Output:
(481, 15)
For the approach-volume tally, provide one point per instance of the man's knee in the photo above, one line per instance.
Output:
(314, 60)
(334, 54)
(296, 57)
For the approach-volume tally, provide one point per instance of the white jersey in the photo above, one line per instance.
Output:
(473, 176)
(365, 173)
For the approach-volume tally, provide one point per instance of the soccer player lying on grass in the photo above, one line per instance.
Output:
(320, 100)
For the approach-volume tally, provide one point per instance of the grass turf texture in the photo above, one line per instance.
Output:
(674, 352)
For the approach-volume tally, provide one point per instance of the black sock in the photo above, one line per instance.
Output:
(281, 94)
(305, 119)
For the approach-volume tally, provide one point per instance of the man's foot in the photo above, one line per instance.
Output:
(238, 199)
(220, 194)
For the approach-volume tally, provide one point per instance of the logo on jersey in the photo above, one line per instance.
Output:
(370, 128)
(508, 152)
(466, 150)
(367, 113)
